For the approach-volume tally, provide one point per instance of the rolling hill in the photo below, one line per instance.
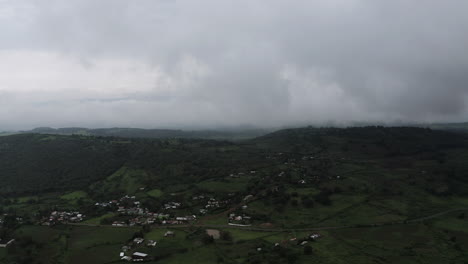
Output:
(375, 195)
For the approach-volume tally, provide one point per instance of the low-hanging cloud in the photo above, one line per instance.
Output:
(212, 63)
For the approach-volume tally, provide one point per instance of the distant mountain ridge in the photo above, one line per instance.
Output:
(153, 133)
(217, 134)
(460, 127)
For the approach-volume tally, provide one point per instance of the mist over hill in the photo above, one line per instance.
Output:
(221, 134)
(235, 133)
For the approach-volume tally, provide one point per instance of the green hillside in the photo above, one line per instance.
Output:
(373, 194)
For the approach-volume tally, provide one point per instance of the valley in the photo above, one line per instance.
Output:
(307, 195)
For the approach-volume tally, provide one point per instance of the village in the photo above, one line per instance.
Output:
(62, 217)
(130, 207)
(174, 213)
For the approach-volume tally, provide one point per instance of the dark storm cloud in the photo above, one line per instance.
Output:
(215, 63)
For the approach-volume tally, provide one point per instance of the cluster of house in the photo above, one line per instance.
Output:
(129, 252)
(239, 220)
(311, 237)
(198, 197)
(125, 200)
(212, 203)
(240, 174)
(62, 217)
(129, 206)
(145, 218)
(132, 210)
(178, 220)
(303, 241)
(127, 255)
(308, 158)
(172, 205)
(236, 175)
(152, 218)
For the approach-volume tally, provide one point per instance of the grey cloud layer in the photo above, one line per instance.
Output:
(211, 63)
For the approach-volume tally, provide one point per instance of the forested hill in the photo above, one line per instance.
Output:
(375, 140)
(38, 163)
(32, 163)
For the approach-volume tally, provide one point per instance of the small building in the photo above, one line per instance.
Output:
(151, 243)
(315, 236)
(138, 240)
(169, 234)
(138, 256)
(127, 258)
(248, 197)
(125, 248)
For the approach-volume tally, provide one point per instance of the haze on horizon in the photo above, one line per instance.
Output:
(212, 63)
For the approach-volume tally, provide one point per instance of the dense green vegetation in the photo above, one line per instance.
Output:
(392, 195)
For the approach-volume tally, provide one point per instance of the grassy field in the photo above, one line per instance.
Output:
(3, 252)
(244, 235)
(401, 244)
(74, 195)
(76, 244)
(97, 220)
(156, 193)
(26, 199)
(126, 180)
(40, 234)
(453, 223)
(199, 255)
(96, 244)
(227, 185)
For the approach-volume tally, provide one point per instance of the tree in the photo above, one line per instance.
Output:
(308, 203)
(323, 197)
(292, 258)
(146, 229)
(207, 239)
(226, 235)
(308, 250)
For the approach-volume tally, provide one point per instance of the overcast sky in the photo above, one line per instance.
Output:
(214, 63)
